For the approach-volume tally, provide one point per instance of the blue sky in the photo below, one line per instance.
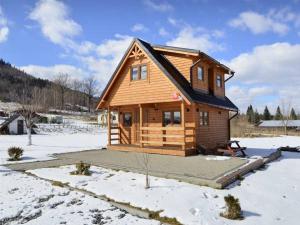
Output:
(258, 39)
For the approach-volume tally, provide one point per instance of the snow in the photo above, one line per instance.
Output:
(25, 198)
(44, 145)
(269, 196)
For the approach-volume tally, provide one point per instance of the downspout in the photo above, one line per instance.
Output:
(236, 113)
(231, 75)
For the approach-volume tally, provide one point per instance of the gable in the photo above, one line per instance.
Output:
(158, 87)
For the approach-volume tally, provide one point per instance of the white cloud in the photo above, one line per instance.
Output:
(161, 6)
(4, 30)
(163, 32)
(139, 28)
(49, 72)
(258, 23)
(197, 38)
(53, 17)
(266, 70)
(109, 54)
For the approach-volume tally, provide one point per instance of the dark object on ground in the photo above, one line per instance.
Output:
(15, 153)
(231, 150)
(233, 208)
(290, 149)
(82, 169)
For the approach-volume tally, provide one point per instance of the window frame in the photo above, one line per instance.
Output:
(131, 73)
(204, 118)
(139, 72)
(172, 112)
(219, 80)
(202, 73)
(125, 125)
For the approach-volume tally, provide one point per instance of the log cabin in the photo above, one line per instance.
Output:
(169, 100)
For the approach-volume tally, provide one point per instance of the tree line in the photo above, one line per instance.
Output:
(253, 116)
(62, 92)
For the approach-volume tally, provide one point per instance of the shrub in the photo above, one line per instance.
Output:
(233, 208)
(82, 169)
(15, 153)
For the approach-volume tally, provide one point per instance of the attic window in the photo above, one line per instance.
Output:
(200, 73)
(139, 72)
(219, 81)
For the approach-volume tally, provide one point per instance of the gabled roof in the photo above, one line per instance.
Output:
(8, 121)
(175, 77)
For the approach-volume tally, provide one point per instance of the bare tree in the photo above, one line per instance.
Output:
(286, 116)
(62, 82)
(30, 105)
(90, 89)
(145, 163)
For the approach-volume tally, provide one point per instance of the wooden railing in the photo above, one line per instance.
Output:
(181, 136)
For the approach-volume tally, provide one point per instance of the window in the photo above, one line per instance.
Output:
(134, 73)
(139, 72)
(200, 73)
(219, 81)
(203, 118)
(171, 118)
(127, 119)
(144, 72)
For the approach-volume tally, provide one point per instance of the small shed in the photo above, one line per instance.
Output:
(14, 125)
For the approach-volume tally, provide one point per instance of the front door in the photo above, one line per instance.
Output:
(20, 127)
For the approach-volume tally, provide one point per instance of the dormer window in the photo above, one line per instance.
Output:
(139, 72)
(219, 80)
(200, 73)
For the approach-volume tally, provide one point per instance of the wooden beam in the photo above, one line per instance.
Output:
(194, 110)
(108, 125)
(141, 125)
(183, 121)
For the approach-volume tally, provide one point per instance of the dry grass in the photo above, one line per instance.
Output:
(240, 127)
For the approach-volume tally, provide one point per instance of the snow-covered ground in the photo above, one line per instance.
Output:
(47, 144)
(25, 199)
(269, 196)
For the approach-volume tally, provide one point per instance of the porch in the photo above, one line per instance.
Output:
(160, 128)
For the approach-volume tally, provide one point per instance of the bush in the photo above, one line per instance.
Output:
(82, 169)
(15, 153)
(233, 208)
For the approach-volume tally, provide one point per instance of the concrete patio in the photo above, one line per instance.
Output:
(200, 169)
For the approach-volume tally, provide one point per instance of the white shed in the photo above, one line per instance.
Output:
(14, 125)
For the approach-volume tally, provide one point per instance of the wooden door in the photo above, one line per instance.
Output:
(20, 127)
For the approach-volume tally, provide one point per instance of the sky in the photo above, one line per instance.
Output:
(259, 40)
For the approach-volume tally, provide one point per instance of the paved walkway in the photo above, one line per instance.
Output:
(193, 169)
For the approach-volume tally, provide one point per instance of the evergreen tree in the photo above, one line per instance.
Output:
(256, 117)
(267, 115)
(293, 115)
(250, 114)
(278, 114)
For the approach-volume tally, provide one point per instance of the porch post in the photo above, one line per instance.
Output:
(119, 127)
(108, 126)
(141, 126)
(195, 125)
(183, 122)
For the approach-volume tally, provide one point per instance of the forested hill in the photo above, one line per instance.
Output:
(12, 82)
(62, 93)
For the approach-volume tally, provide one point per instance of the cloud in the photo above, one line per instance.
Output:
(160, 6)
(49, 72)
(139, 28)
(266, 70)
(197, 38)
(4, 30)
(259, 23)
(53, 18)
(163, 32)
(108, 55)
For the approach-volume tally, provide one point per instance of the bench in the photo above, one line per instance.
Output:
(229, 149)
